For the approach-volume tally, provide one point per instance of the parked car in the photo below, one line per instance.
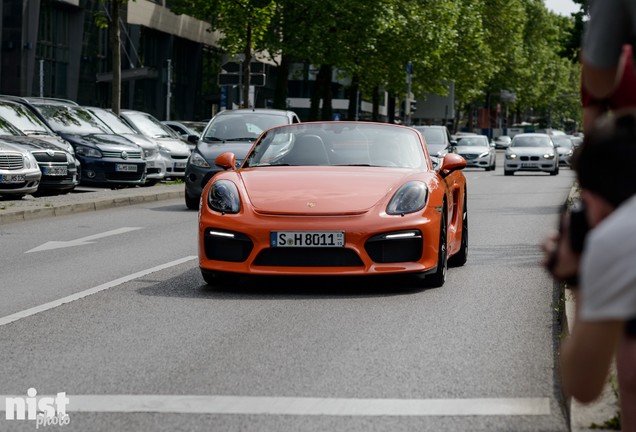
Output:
(334, 198)
(438, 139)
(60, 172)
(156, 162)
(30, 124)
(171, 146)
(531, 152)
(502, 142)
(188, 130)
(564, 147)
(477, 151)
(107, 159)
(231, 130)
(19, 171)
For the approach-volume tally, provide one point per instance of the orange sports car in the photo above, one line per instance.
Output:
(334, 198)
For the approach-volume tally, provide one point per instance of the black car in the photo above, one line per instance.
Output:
(229, 131)
(107, 159)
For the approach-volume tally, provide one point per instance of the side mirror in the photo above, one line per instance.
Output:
(193, 139)
(451, 162)
(225, 160)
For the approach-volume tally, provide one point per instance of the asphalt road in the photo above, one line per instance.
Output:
(139, 343)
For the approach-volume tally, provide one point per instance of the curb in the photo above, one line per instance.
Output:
(47, 207)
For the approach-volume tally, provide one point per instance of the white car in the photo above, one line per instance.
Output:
(531, 152)
(170, 145)
(19, 171)
(565, 148)
(477, 151)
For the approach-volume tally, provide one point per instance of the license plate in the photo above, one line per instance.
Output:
(529, 165)
(180, 164)
(12, 178)
(307, 238)
(55, 171)
(126, 168)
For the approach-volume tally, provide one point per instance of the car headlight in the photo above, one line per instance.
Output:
(87, 152)
(224, 197)
(484, 154)
(511, 156)
(548, 156)
(164, 149)
(197, 160)
(149, 152)
(409, 198)
(29, 161)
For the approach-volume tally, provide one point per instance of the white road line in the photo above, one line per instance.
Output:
(55, 303)
(307, 406)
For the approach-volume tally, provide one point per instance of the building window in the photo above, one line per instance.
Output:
(53, 48)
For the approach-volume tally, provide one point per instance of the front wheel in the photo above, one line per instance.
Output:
(460, 258)
(508, 173)
(191, 202)
(438, 278)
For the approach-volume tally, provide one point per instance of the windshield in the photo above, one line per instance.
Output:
(241, 126)
(112, 121)
(7, 128)
(343, 143)
(531, 141)
(148, 125)
(433, 136)
(23, 119)
(476, 141)
(71, 119)
(562, 142)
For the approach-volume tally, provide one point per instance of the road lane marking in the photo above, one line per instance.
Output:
(305, 406)
(55, 303)
(81, 241)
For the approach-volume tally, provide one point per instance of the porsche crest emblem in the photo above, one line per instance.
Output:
(311, 204)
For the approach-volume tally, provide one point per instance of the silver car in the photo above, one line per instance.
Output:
(156, 162)
(565, 148)
(170, 145)
(531, 152)
(19, 171)
(477, 151)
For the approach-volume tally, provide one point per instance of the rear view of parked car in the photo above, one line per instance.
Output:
(172, 147)
(19, 171)
(107, 159)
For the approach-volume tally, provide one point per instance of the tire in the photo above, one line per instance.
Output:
(216, 278)
(190, 202)
(555, 171)
(437, 279)
(508, 173)
(460, 258)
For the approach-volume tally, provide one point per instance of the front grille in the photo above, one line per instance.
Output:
(127, 176)
(45, 157)
(227, 248)
(529, 158)
(180, 157)
(308, 257)
(11, 161)
(469, 156)
(117, 154)
(384, 249)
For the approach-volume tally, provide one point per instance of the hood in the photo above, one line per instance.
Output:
(5, 145)
(175, 146)
(141, 141)
(31, 143)
(55, 140)
(108, 142)
(471, 149)
(320, 190)
(531, 151)
(211, 150)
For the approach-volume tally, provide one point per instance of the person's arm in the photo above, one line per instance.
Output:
(600, 83)
(586, 357)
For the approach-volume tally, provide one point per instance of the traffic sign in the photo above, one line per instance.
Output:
(231, 67)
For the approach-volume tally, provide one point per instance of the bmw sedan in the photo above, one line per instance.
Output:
(531, 152)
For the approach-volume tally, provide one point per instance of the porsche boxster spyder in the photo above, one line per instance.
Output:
(338, 199)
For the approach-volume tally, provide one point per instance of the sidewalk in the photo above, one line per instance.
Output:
(82, 200)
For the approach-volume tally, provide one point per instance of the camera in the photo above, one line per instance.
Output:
(579, 227)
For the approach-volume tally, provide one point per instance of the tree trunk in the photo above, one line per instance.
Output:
(247, 69)
(116, 49)
(354, 92)
(327, 98)
(390, 109)
(282, 80)
(316, 93)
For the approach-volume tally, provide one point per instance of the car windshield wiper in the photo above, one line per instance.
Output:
(211, 138)
(35, 132)
(360, 164)
(240, 139)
